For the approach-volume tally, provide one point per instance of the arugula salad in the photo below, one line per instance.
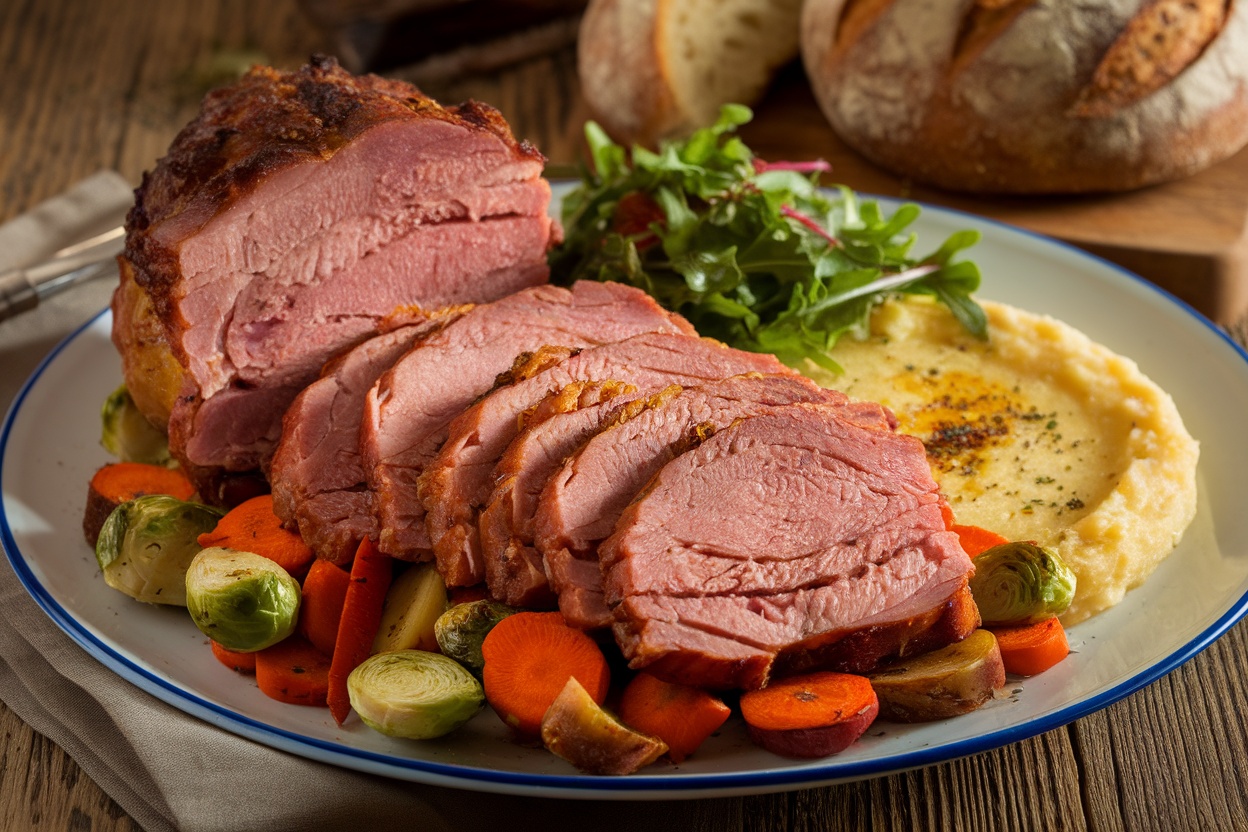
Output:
(754, 254)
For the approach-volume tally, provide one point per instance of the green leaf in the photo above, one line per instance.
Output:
(766, 261)
(609, 158)
(707, 272)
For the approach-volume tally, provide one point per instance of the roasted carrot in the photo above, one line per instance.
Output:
(320, 607)
(234, 660)
(681, 716)
(252, 526)
(371, 573)
(293, 671)
(119, 482)
(812, 715)
(529, 657)
(976, 540)
(1032, 648)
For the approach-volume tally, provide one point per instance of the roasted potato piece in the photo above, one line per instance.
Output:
(577, 729)
(953, 680)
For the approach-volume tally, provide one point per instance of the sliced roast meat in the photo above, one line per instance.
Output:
(318, 479)
(290, 216)
(407, 412)
(793, 539)
(456, 485)
(583, 498)
(557, 427)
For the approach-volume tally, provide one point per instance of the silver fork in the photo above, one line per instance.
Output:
(23, 289)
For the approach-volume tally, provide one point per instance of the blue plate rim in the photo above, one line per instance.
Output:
(664, 786)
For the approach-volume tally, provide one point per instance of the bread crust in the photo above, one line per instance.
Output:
(1032, 96)
(623, 76)
(660, 69)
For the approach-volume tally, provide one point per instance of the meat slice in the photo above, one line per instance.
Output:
(317, 475)
(792, 540)
(584, 497)
(556, 427)
(293, 214)
(456, 485)
(407, 412)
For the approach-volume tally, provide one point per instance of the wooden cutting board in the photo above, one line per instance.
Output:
(1189, 237)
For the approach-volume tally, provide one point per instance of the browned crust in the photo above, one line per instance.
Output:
(983, 23)
(572, 397)
(621, 73)
(530, 363)
(266, 121)
(856, 16)
(1161, 41)
(1169, 102)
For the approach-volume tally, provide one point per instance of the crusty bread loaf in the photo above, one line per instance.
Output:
(653, 69)
(1033, 96)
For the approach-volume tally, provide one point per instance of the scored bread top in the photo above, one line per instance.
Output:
(1033, 95)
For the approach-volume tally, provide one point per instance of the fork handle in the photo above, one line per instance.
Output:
(17, 293)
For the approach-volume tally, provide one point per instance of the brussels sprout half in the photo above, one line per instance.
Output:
(243, 601)
(146, 546)
(1021, 583)
(414, 694)
(126, 434)
(461, 630)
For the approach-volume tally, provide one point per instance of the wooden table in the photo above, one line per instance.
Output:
(107, 84)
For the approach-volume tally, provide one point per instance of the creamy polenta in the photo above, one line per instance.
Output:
(1039, 434)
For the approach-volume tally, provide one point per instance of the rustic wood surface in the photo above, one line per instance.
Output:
(107, 84)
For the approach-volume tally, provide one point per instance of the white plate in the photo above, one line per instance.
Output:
(49, 448)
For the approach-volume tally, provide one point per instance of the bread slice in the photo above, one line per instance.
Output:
(654, 69)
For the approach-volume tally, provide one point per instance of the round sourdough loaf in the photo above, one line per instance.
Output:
(656, 69)
(1033, 96)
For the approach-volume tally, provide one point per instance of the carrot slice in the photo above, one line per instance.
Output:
(234, 660)
(681, 716)
(252, 526)
(119, 482)
(1032, 648)
(975, 540)
(812, 715)
(320, 607)
(529, 657)
(293, 671)
(371, 573)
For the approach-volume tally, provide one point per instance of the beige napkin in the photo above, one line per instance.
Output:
(167, 769)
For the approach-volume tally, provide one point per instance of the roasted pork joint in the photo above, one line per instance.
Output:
(287, 219)
(792, 540)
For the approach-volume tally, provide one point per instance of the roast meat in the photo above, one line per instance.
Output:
(408, 411)
(582, 500)
(317, 476)
(286, 220)
(457, 483)
(560, 424)
(797, 538)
